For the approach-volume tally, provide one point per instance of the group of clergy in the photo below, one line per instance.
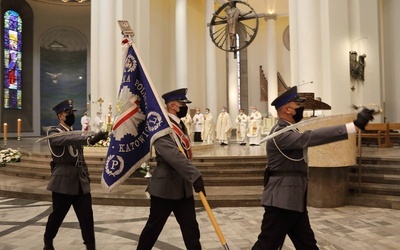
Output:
(248, 127)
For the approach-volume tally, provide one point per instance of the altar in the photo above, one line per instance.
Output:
(329, 165)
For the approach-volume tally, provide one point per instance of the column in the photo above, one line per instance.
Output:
(211, 67)
(272, 72)
(306, 30)
(233, 92)
(141, 27)
(104, 83)
(181, 44)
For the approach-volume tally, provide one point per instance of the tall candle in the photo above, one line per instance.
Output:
(19, 127)
(108, 118)
(5, 131)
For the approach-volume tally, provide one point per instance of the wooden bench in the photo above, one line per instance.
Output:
(377, 132)
(394, 132)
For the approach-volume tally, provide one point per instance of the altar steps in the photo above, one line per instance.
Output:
(230, 181)
(379, 185)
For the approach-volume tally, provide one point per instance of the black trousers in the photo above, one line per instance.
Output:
(277, 223)
(82, 205)
(185, 214)
(197, 137)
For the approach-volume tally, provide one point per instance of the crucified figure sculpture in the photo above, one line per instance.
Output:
(232, 16)
(235, 24)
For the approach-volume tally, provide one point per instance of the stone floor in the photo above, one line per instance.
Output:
(22, 221)
(22, 225)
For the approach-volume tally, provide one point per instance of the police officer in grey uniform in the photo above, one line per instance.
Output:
(171, 184)
(69, 182)
(285, 178)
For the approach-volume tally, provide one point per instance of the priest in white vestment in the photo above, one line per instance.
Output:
(241, 127)
(207, 134)
(198, 123)
(224, 126)
(254, 128)
(85, 122)
(187, 120)
(98, 122)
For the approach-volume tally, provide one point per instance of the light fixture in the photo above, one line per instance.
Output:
(74, 1)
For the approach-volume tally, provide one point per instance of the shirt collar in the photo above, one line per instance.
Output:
(174, 118)
(66, 127)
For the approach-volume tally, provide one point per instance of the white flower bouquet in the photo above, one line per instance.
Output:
(9, 155)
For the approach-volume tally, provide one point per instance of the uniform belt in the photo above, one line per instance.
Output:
(287, 173)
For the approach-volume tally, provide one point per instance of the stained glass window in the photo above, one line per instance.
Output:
(12, 60)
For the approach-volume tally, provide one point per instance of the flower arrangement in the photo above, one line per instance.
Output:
(9, 155)
(103, 143)
(142, 169)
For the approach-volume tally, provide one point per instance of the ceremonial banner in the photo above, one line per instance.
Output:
(141, 119)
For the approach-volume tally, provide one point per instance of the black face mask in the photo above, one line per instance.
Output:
(70, 119)
(182, 111)
(299, 114)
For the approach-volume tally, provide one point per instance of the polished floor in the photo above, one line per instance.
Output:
(22, 222)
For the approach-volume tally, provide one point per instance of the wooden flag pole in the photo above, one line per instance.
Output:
(213, 221)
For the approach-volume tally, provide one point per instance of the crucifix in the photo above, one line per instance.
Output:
(100, 101)
(237, 28)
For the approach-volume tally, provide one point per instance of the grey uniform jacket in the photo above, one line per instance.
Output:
(174, 174)
(70, 170)
(285, 154)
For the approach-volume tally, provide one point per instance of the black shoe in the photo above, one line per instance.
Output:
(243, 144)
(91, 246)
(48, 245)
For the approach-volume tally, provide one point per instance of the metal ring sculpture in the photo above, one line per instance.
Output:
(235, 30)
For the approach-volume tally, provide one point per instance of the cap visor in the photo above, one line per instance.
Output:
(184, 101)
(298, 99)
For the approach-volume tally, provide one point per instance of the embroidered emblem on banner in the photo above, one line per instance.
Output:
(117, 165)
(154, 121)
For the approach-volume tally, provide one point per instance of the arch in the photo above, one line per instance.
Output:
(63, 72)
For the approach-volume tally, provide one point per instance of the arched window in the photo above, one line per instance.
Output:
(12, 60)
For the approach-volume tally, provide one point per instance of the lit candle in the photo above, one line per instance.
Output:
(5, 131)
(108, 118)
(19, 127)
(87, 106)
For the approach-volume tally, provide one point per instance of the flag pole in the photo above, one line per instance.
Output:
(213, 221)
